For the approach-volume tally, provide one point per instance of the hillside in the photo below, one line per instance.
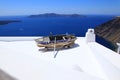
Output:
(110, 30)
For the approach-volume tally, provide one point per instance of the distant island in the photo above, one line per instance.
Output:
(110, 31)
(56, 15)
(3, 22)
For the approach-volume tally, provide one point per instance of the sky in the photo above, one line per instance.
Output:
(29, 7)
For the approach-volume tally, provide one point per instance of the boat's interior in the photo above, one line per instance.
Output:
(59, 37)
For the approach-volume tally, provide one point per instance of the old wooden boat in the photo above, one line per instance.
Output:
(56, 41)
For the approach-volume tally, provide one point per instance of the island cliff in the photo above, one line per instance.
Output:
(110, 31)
(56, 15)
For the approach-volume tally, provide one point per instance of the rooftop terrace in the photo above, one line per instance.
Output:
(86, 60)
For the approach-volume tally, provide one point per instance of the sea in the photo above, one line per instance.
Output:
(43, 26)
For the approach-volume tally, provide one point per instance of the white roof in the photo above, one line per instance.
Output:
(85, 61)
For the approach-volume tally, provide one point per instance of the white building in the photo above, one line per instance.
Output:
(21, 59)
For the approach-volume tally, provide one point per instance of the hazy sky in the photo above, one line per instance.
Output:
(27, 7)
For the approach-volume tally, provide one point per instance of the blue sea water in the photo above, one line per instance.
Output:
(42, 26)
